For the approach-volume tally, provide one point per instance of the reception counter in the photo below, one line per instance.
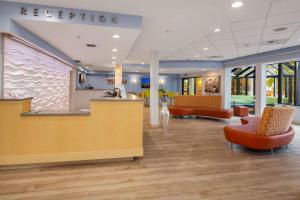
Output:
(113, 128)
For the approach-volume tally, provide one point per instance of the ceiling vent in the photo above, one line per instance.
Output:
(77, 61)
(214, 57)
(280, 29)
(272, 42)
(90, 45)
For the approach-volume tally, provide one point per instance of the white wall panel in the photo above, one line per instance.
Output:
(32, 73)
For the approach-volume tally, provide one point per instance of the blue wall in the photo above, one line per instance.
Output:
(99, 81)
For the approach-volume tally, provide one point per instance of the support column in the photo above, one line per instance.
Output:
(260, 89)
(1, 64)
(118, 76)
(227, 88)
(154, 81)
(297, 84)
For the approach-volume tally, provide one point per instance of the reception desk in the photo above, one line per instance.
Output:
(112, 129)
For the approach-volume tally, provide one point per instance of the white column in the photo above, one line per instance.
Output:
(118, 76)
(226, 87)
(154, 83)
(260, 89)
(1, 64)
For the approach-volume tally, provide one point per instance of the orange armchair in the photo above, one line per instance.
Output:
(271, 131)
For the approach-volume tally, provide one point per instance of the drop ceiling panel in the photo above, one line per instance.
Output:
(248, 41)
(277, 36)
(254, 33)
(265, 48)
(295, 39)
(284, 6)
(248, 24)
(290, 18)
(220, 36)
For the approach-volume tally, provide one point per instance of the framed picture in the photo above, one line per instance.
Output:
(212, 84)
(111, 81)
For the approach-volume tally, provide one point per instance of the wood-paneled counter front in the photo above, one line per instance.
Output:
(112, 129)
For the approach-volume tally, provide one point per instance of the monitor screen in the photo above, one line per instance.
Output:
(145, 82)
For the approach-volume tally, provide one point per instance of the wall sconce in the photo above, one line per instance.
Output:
(118, 69)
(161, 81)
(134, 81)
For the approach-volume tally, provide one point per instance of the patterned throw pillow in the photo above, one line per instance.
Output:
(275, 120)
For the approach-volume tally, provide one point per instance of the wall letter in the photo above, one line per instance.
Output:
(114, 20)
(60, 14)
(36, 12)
(71, 15)
(92, 18)
(23, 11)
(48, 13)
(102, 18)
(82, 16)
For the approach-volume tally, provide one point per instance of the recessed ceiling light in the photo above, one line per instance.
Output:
(113, 62)
(205, 48)
(280, 29)
(115, 50)
(114, 57)
(136, 71)
(116, 36)
(203, 69)
(217, 30)
(90, 45)
(142, 63)
(197, 56)
(237, 4)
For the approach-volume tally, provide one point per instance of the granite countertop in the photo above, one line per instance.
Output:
(130, 97)
(57, 113)
(16, 99)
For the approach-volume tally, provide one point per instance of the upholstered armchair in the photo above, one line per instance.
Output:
(270, 131)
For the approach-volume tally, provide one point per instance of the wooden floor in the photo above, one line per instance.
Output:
(190, 161)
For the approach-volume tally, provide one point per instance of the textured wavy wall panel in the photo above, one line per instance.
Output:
(31, 73)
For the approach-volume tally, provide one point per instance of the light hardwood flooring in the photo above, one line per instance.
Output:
(190, 161)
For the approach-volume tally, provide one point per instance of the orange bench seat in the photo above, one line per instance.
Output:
(208, 112)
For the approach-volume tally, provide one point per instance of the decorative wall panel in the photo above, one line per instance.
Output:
(32, 73)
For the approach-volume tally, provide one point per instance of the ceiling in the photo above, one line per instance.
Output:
(72, 39)
(181, 29)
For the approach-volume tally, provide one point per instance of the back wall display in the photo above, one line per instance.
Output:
(111, 81)
(145, 82)
(212, 84)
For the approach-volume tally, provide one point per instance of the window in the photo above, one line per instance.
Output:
(192, 86)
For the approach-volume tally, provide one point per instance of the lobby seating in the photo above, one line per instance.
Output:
(209, 106)
(272, 130)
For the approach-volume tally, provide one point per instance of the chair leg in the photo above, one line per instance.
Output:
(286, 146)
(272, 151)
(231, 146)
